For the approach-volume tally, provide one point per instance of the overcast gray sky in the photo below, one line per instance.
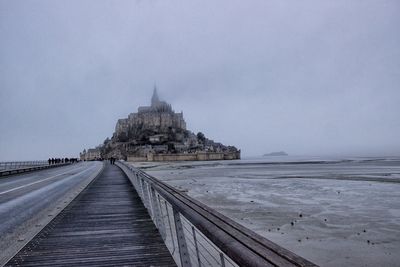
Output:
(308, 77)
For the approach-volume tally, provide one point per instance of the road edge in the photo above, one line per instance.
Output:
(45, 220)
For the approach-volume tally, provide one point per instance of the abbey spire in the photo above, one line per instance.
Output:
(155, 100)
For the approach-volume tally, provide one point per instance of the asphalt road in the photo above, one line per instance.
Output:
(28, 201)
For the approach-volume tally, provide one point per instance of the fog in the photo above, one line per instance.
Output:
(307, 77)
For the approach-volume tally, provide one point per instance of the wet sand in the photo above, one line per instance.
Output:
(332, 212)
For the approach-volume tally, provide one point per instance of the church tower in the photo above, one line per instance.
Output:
(155, 100)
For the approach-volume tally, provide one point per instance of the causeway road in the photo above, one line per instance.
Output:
(29, 201)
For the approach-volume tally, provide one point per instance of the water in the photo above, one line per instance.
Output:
(332, 211)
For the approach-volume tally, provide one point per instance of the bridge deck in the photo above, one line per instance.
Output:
(106, 225)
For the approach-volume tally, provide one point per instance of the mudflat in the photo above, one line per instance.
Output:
(334, 212)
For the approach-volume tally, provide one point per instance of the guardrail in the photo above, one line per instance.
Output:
(197, 235)
(18, 169)
(21, 164)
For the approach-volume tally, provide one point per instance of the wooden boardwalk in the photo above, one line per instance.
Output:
(106, 225)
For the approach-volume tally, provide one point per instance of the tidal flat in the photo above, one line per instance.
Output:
(332, 211)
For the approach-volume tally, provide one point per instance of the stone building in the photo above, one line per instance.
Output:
(158, 117)
(158, 133)
(90, 154)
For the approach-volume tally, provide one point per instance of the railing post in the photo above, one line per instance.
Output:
(170, 228)
(157, 213)
(221, 256)
(151, 206)
(138, 185)
(135, 180)
(180, 235)
(148, 198)
(196, 246)
(142, 189)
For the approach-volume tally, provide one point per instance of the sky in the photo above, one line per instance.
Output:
(312, 77)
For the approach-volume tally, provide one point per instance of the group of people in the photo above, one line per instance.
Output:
(112, 160)
(53, 161)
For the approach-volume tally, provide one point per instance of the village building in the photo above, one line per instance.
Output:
(91, 154)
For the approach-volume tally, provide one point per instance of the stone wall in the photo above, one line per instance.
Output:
(200, 156)
(173, 157)
(136, 159)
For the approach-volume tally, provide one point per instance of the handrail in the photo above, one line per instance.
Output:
(7, 165)
(222, 238)
(24, 167)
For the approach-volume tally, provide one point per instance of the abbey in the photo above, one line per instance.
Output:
(157, 118)
(158, 133)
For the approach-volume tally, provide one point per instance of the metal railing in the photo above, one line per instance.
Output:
(10, 165)
(197, 235)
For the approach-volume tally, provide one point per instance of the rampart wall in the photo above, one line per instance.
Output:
(199, 156)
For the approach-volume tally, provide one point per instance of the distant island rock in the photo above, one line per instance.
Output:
(280, 153)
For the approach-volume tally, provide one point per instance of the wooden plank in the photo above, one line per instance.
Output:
(106, 225)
